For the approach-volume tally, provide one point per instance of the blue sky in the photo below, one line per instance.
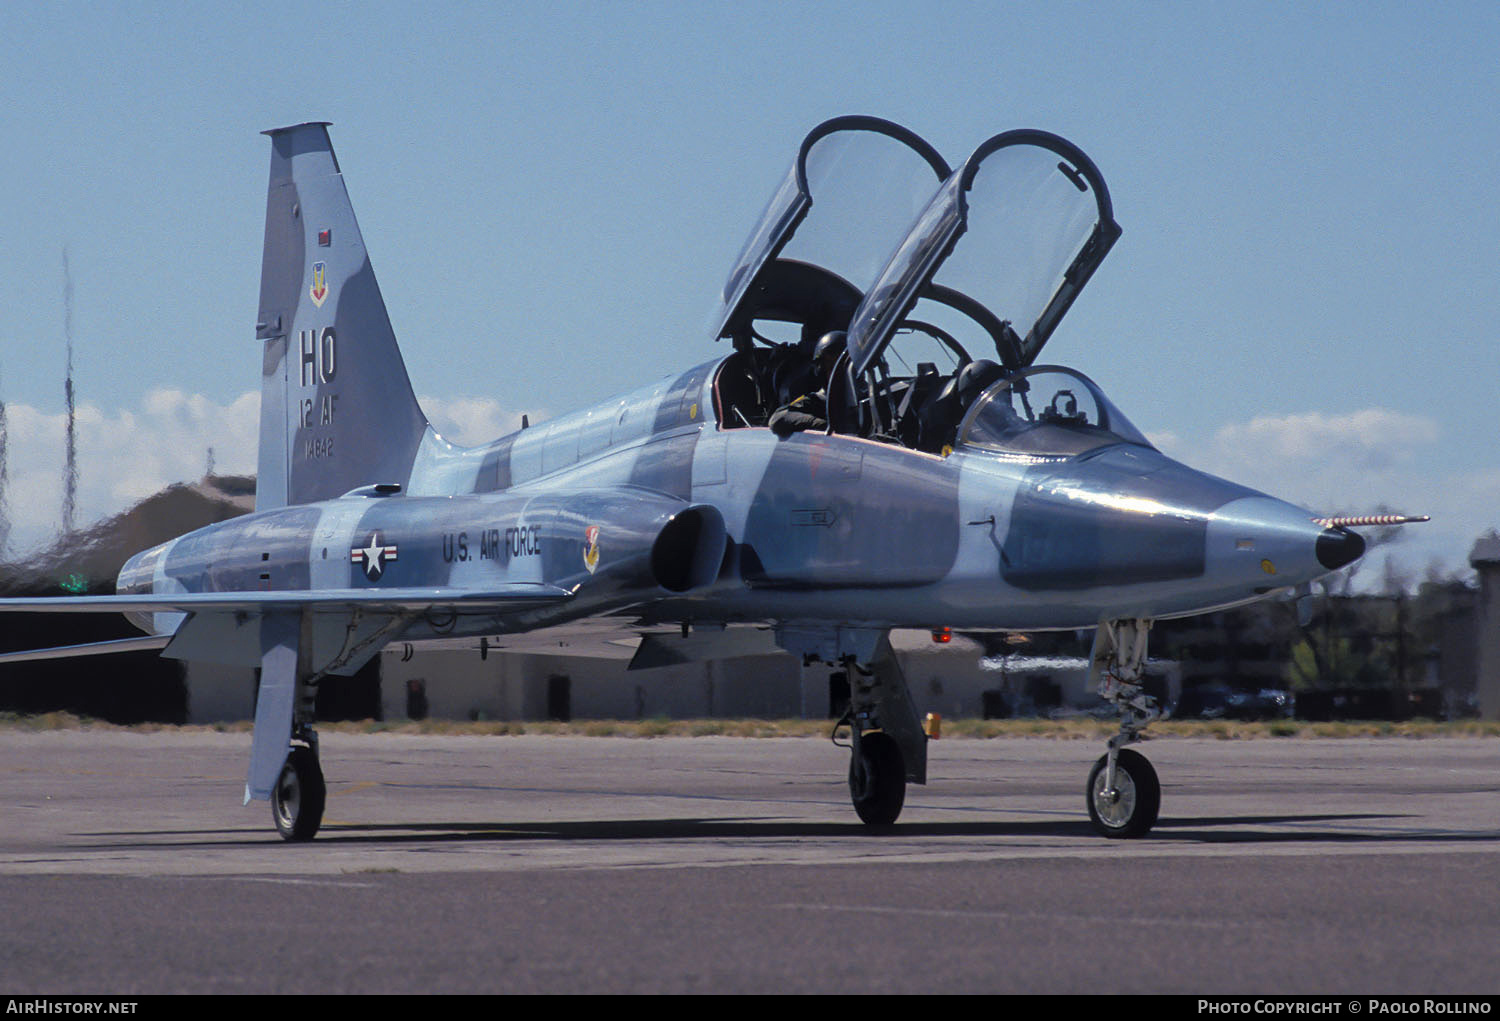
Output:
(1305, 297)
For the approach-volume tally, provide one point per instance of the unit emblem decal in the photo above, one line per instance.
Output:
(319, 288)
(374, 556)
(591, 548)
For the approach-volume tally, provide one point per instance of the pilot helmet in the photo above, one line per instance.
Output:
(975, 377)
(828, 349)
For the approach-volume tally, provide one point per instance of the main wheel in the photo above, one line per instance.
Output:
(298, 798)
(1130, 809)
(877, 780)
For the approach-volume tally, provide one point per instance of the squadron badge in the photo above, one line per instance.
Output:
(319, 288)
(591, 548)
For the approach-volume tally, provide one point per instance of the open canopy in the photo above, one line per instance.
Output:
(851, 193)
(928, 271)
(1008, 241)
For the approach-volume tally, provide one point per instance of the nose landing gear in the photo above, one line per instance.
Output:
(1123, 792)
(1126, 804)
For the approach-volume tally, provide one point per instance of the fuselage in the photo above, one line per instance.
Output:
(823, 529)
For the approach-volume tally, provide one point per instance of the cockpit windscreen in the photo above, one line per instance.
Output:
(1046, 411)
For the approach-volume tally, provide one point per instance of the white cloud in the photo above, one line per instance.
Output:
(1357, 463)
(1371, 440)
(1371, 436)
(123, 456)
(470, 421)
(127, 454)
(1330, 462)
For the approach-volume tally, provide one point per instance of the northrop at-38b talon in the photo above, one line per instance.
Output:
(877, 448)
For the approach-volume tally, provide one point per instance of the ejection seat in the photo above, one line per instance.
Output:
(939, 418)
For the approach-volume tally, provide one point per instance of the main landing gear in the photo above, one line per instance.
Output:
(298, 798)
(284, 746)
(886, 744)
(1123, 793)
(877, 778)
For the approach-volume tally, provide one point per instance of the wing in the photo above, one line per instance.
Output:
(516, 597)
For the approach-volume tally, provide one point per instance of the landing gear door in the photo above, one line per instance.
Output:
(1009, 240)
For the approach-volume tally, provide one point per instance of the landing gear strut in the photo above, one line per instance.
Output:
(1123, 792)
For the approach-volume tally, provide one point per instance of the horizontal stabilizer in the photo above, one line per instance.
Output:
(516, 595)
(145, 643)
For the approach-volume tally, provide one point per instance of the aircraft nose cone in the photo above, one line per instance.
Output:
(1339, 547)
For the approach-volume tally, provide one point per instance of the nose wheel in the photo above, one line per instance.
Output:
(1126, 803)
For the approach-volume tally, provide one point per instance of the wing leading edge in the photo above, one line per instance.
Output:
(222, 606)
(514, 596)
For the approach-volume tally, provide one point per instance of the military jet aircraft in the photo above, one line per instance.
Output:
(935, 476)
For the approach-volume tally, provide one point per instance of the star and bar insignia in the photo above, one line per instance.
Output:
(374, 556)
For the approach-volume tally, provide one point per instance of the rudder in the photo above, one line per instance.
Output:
(337, 408)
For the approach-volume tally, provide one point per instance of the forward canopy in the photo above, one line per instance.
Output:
(1008, 241)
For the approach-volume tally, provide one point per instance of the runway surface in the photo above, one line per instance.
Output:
(560, 864)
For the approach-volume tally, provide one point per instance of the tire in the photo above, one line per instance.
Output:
(877, 780)
(299, 796)
(1133, 811)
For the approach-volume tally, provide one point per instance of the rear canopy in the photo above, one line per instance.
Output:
(850, 194)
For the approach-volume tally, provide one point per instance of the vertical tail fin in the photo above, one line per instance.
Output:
(337, 409)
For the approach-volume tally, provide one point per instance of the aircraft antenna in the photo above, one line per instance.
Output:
(70, 469)
(4, 483)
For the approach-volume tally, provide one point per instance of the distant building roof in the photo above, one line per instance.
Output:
(94, 556)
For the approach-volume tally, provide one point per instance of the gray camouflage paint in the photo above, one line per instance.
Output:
(369, 526)
(822, 531)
